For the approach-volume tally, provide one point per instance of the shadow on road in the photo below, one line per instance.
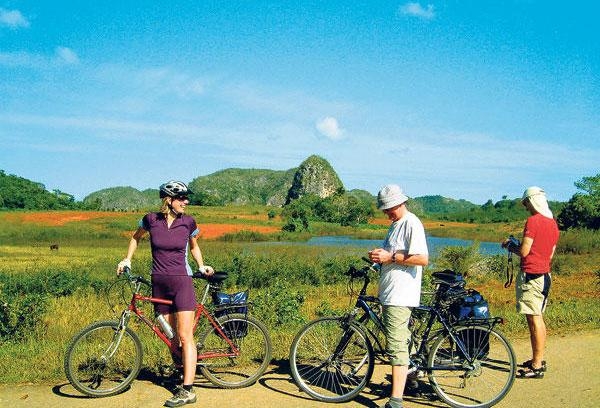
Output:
(279, 380)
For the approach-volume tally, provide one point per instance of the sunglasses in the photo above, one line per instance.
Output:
(181, 198)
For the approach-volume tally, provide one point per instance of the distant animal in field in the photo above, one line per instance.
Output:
(54, 247)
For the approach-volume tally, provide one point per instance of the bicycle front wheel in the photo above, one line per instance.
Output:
(478, 379)
(332, 360)
(219, 364)
(102, 360)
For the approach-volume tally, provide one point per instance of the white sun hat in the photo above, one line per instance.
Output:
(390, 196)
(537, 198)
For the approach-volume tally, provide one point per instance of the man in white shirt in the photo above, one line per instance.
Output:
(402, 257)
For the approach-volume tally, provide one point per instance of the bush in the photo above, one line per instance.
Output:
(24, 298)
(20, 314)
(583, 209)
(279, 305)
(470, 263)
(245, 236)
(578, 241)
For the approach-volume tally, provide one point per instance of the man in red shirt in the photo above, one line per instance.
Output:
(533, 283)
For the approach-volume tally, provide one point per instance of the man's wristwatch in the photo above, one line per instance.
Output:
(393, 257)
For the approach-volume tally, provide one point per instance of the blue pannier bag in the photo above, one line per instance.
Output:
(468, 308)
(226, 304)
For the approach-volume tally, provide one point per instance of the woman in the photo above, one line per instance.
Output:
(172, 235)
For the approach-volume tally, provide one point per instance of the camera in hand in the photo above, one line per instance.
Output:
(513, 244)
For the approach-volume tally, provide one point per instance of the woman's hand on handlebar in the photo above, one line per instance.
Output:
(125, 263)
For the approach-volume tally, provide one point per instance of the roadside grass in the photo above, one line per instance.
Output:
(290, 284)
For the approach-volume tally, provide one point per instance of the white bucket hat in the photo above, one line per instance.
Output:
(390, 196)
(537, 198)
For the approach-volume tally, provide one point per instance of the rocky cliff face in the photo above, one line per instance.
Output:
(314, 176)
(262, 186)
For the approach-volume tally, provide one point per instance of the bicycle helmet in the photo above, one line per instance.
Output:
(174, 188)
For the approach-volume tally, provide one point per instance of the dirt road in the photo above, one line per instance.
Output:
(572, 380)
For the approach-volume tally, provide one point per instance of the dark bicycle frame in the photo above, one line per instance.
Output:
(435, 313)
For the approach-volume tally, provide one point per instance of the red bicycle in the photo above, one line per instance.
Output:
(105, 357)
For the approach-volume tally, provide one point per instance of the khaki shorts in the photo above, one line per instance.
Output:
(397, 334)
(532, 292)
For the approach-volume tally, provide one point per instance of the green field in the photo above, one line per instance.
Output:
(48, 295)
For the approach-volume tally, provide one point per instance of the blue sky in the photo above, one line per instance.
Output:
(467, 99)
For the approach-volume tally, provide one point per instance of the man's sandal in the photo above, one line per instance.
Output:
(528, 364)
(531, 373)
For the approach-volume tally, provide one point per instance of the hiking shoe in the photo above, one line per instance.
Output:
(181, 397)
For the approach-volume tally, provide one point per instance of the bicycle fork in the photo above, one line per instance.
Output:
(341, 349)
(117, 336)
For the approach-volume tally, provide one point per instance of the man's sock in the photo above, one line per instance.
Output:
(395, 402)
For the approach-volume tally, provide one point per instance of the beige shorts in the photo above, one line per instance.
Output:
(532, 292)
(397, 334)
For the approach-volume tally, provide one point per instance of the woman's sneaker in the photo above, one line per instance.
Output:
(181, 397)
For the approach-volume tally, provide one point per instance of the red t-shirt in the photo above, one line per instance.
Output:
(544, 232)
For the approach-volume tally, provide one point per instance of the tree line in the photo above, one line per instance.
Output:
(20, 193)
(345, 208)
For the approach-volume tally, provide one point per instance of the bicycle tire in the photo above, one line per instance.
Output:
(94, 373)
(323, 373)
(480, 385)
(250, 337)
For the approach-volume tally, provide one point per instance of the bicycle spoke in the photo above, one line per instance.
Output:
(103, 361)
(478, 379)
(331, 361)
(239, 367)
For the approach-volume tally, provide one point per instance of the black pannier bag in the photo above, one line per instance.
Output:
(225, 304)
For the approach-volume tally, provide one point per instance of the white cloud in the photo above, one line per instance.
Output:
(62, 56)
(330, 127)
(13, 19)
(416, 10)
(67, 55)
(157, 81)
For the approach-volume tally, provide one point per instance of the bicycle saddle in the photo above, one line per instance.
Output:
(217, 277)
(449, 278)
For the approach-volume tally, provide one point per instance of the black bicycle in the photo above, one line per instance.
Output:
(468, 362)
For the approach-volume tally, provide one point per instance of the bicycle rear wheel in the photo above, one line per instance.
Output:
(479, 384)
(332, 360)
(250, 337)
(101, 360)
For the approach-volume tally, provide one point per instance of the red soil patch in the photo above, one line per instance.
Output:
(209, 231)
(57, 218)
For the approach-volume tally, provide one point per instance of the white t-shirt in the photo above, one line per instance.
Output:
(400, 285)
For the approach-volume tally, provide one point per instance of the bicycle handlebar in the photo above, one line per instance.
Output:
(134, 278)
(217, 277)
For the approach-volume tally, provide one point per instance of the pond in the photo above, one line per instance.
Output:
(435, 244)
